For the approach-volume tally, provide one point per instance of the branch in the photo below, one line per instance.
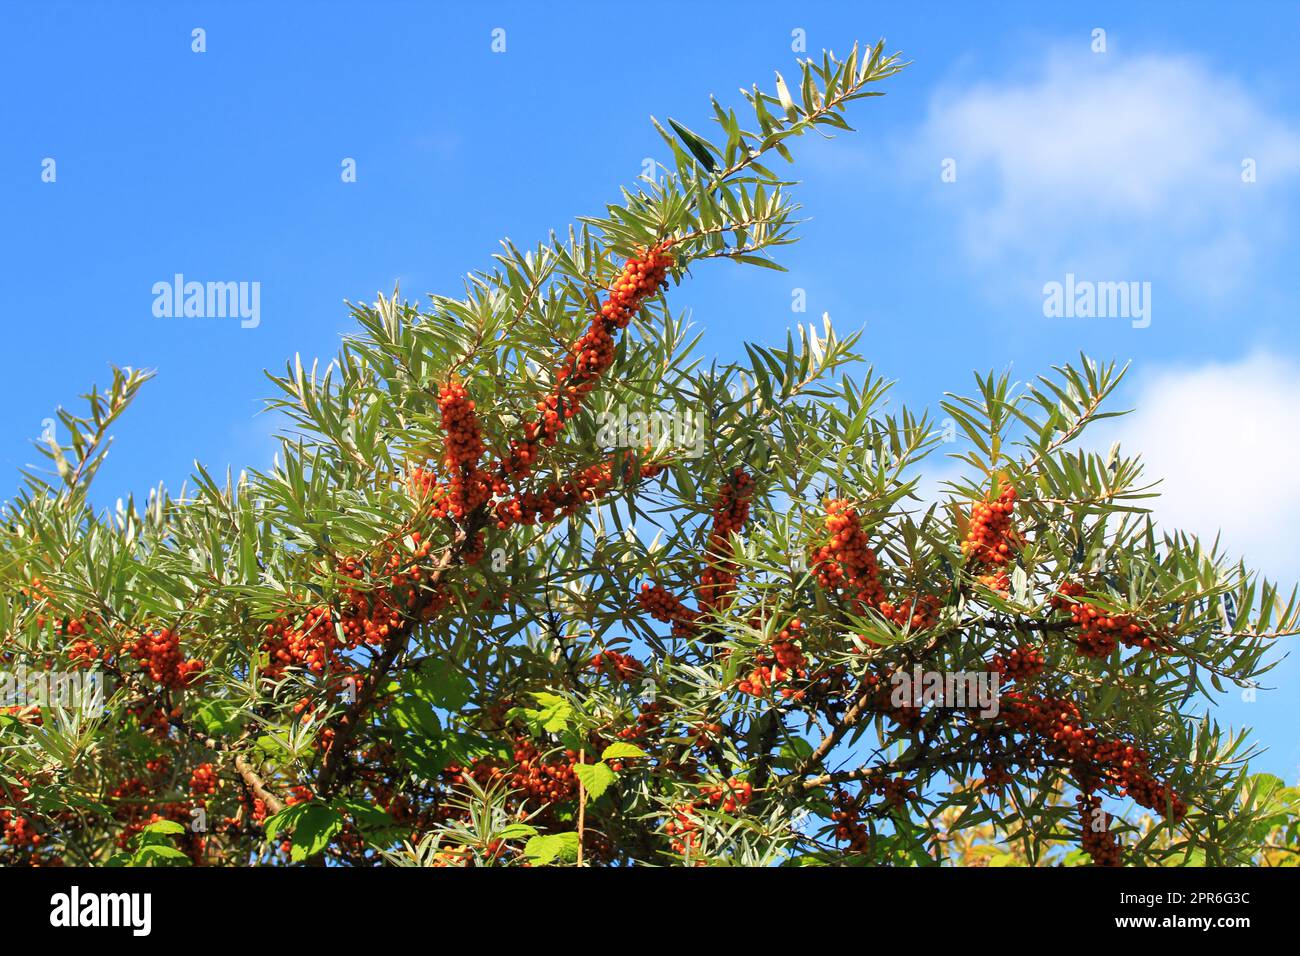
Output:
(346, 724)
(255, 783)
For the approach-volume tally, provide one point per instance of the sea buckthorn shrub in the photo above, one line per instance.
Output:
(453, 627)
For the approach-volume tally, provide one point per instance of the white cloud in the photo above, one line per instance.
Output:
(1111, 164)
(1223, 438)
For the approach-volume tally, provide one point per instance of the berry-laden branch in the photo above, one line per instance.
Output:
(587, 360)
(718, 578)
(464, 498)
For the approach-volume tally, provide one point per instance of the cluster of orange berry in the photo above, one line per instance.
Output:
(640, 279)
(718, 578)
(468, 484)
(83, 651)
(683, 826)
(536, 778)
(367, 616)
(662, 605)
(683, 830)
(990, 539)
(1022, 663)
(1097, 839)
(203, 780)
(17, 830)
(648, 720)
(158, 765)
(730, 514)
(896, 791)
(730, 796)
(785, 661)
(257, 809)
(160, 653)
(996, 775)
(299, 794)
(1059, 727)
(846, 564)
(908, 713)
(561, 498)
(1100, 632)
(847, 820)
(916, 612)
(250, 810)
(623, 667)
(371, 614)
(152, 719)
(548, 782)
(312, 644)
(707, 734)
(127, 790)
(63, 625)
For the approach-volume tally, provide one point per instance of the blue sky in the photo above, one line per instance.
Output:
(1122, 165)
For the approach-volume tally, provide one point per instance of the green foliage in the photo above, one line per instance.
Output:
(152, 847)
(470, 726)
(1265, 812)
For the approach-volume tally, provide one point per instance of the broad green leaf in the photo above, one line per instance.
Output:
(314, 830)
(622, 750)
(596, 777)
(542, 850)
